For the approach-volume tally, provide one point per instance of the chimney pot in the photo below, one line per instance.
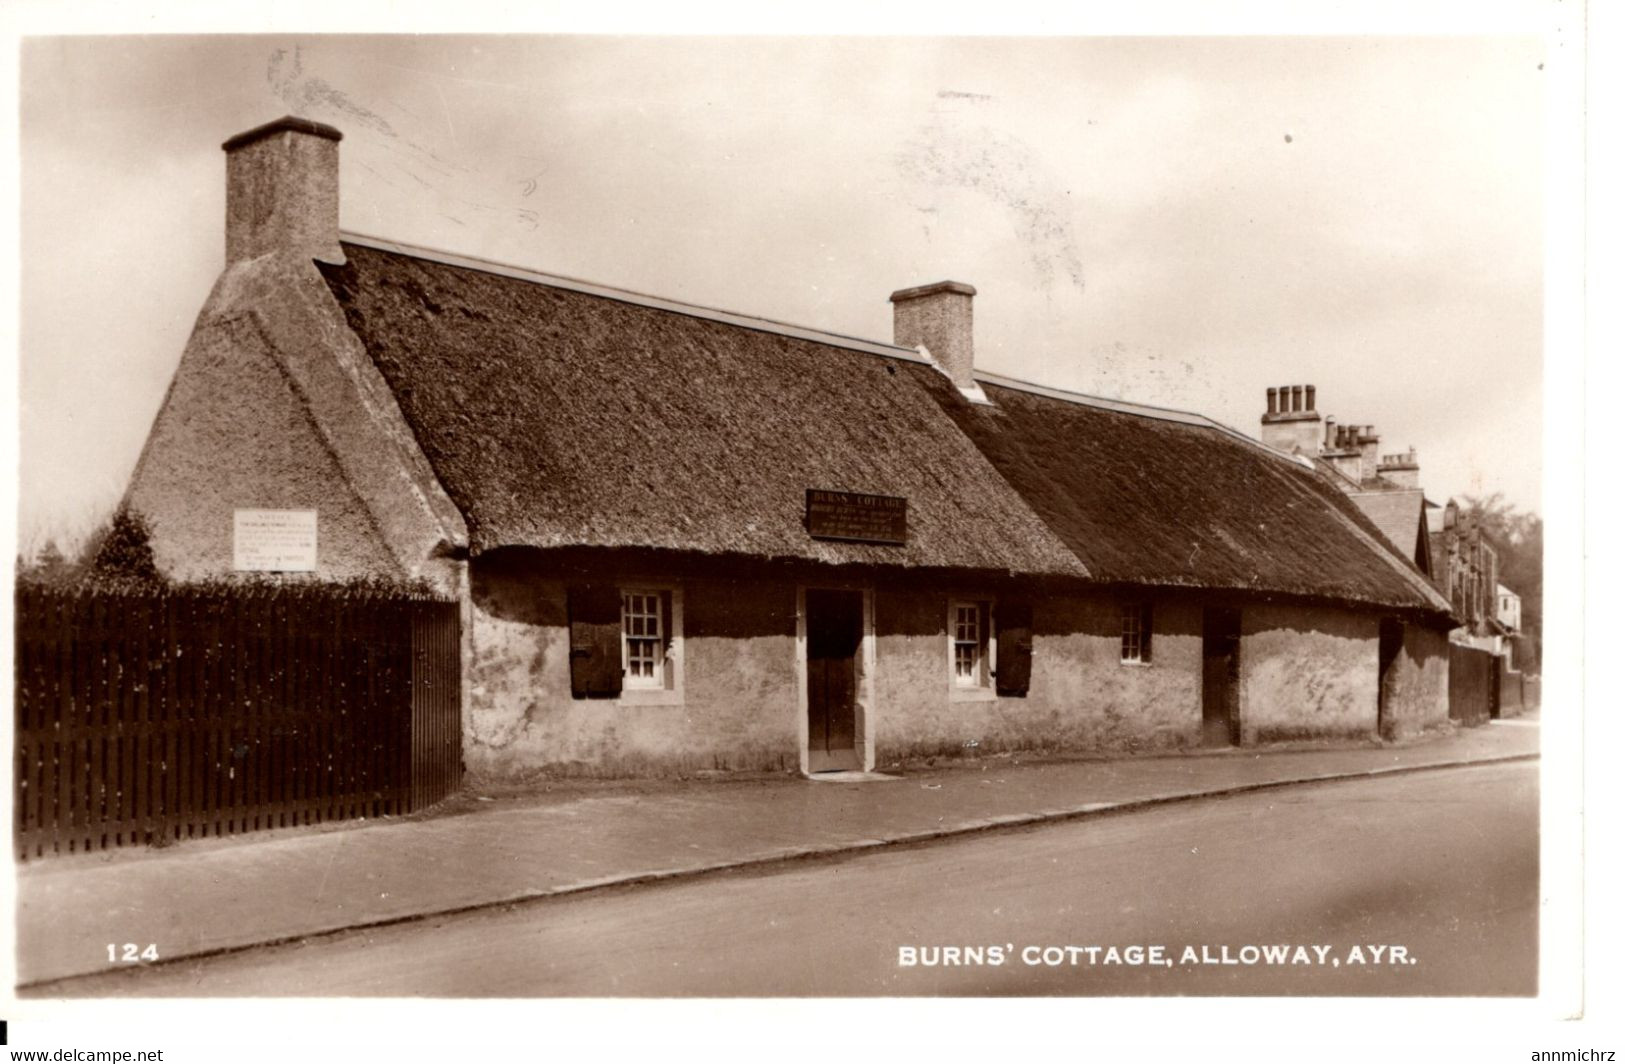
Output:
(282, 191)
(938, 318)
(1270, 392)
(1309, 397)
(1297, 398)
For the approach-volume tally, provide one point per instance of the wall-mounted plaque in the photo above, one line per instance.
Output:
(274, 541)
(859, 518)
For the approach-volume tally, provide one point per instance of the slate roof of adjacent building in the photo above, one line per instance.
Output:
(1397, 513)
(557, 414)
(561, 414)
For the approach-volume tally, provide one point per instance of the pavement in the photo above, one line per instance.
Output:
(215, 896)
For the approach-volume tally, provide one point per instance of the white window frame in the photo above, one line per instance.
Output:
(978, 687)
(657, 689)
(1133, 616)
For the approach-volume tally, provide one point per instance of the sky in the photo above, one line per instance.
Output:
(1182, 221)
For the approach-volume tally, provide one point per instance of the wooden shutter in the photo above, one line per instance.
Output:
(984, 641)
(668, 636)
(1015, 636)
(1145, 633)
(595, 641)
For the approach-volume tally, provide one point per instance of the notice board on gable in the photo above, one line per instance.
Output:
(857, 517)
(274, 541)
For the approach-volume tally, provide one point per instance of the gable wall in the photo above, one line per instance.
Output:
(233, 434)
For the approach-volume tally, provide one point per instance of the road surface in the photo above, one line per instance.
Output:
(1439, 869)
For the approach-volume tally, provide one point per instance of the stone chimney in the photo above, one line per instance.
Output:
(1341, 450)
(1290, 423)
(1400, 470)
(1368, 441)
(282, 191)
(938, 318)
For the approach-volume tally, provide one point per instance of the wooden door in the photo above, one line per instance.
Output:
(834, 638)
(1221, 677)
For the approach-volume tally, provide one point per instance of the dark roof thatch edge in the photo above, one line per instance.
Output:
(574, 559)
(727, 317)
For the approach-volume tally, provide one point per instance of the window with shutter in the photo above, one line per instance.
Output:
(651, 634)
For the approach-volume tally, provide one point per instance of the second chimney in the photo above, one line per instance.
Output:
(1291, 424)
(282, 191)
(938, 318)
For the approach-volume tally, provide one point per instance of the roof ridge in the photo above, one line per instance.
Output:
(625, 295)
(1125, 406)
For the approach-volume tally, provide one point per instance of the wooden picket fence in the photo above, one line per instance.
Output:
(150, 716)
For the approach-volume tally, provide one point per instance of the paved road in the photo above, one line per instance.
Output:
(1443, 864)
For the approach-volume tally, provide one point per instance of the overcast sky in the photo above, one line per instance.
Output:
(1179, 221)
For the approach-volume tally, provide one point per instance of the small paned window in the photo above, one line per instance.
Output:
(1137, 632)
(969, 633)
(967, 645)
(643, 639)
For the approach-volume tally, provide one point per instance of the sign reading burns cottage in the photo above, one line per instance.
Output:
(859, 518)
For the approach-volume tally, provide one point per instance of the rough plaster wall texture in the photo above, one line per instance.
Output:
(1307, 673)
(739, 701)
(232, 434)
(282, 192)
(1082, 698)
(1422, 684)
(277, 311)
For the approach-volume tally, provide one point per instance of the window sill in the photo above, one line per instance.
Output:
(1135, 664)
(972, 694)
(649, 698)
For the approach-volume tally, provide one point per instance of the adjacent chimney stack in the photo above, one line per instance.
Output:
(938, 318)
(1368, 442)
(282, 191)
(1290, 421)
(1401, 470)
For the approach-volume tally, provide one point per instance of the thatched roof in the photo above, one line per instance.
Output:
(556, 414)
(1150, 496)
(561, 415)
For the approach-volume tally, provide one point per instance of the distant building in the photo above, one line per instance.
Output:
(1468, 574)
(1386, 488)
(1509, 608)
(1442, 542)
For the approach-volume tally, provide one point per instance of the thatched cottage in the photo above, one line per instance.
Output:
(687, 539)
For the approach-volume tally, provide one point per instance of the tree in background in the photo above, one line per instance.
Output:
(49, 566)
(122, 552)
(117, 554)
(1518, 538)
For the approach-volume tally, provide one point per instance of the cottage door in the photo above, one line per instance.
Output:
(1221, 677)
(834, 636)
